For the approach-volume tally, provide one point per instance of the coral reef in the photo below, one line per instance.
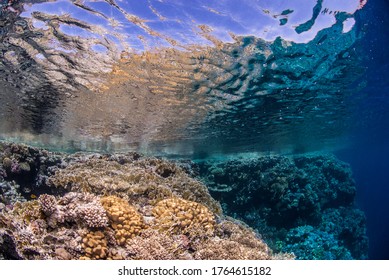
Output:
(278, 195)
(348, 226)
(141, 181)
(126, 206)
(92, 206)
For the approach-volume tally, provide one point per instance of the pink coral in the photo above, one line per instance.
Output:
(48, 204)
(93, 215)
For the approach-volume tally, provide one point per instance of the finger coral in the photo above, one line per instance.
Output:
(182, 216)
(123, 217)
(95, 246)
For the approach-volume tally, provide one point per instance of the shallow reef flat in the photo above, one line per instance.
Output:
(113, 206)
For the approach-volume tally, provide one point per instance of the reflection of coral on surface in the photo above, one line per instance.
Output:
(115, 207)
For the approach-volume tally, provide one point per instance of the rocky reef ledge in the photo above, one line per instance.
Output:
(113, 206)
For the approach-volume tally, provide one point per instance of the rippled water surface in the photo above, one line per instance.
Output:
(180, 77)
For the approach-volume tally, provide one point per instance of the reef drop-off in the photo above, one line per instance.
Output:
(303, 204)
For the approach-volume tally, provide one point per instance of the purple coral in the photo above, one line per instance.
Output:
(48, 204)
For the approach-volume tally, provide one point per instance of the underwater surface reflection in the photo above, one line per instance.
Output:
(171, 77)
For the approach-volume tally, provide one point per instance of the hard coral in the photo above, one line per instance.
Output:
(83, 209)
(93, 215)
(182, 216)
(124, 218)
(95, 176)
(95, 246)
(155, 245)
(48, 204)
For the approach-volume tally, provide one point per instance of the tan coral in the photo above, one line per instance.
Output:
(124, 218)
(183, 216)
(95, 246)
(29, 211)
(228, 250)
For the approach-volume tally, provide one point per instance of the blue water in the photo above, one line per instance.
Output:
(369, 152)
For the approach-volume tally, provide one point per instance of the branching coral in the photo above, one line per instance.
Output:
(93, 215)
(84, 209)
(48, 204)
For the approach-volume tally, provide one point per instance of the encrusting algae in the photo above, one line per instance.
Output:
(117, 207)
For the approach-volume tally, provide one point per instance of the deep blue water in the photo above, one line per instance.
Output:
(369, 152)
